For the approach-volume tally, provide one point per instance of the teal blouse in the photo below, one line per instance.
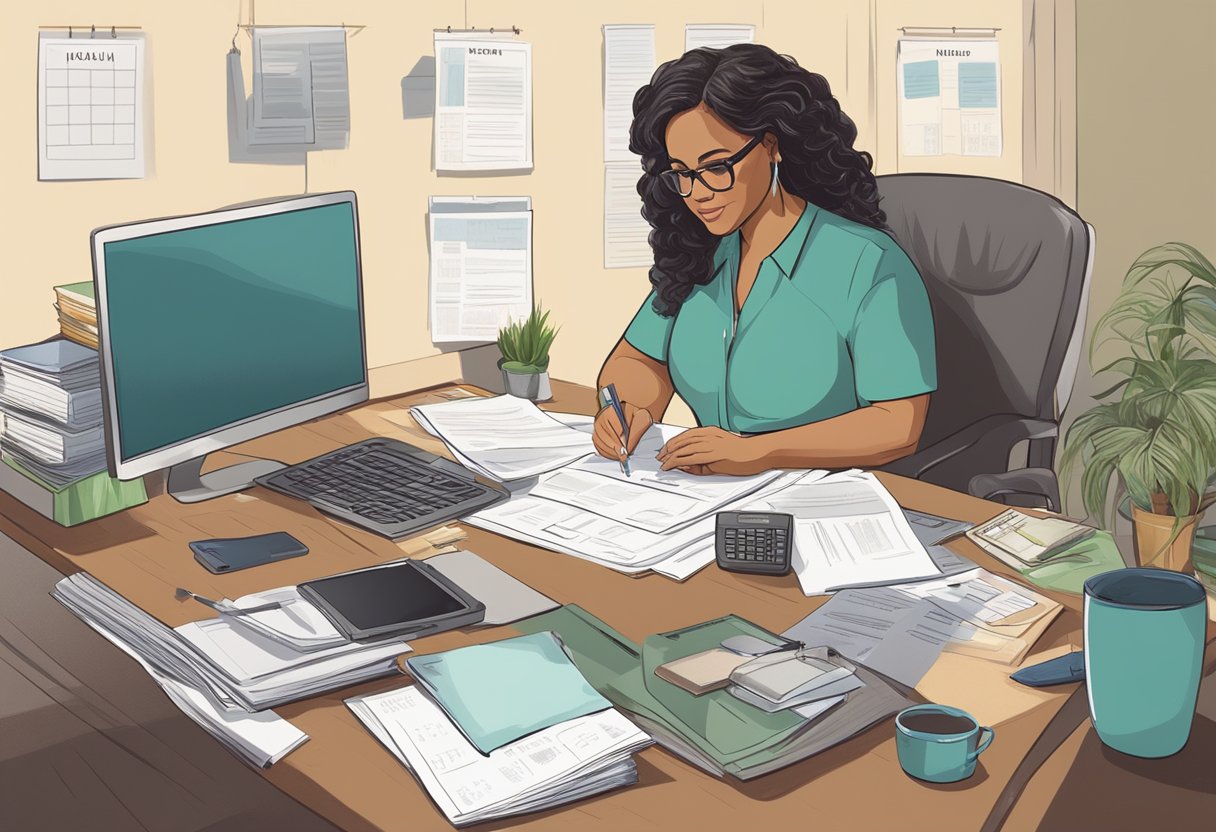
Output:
(838, 318)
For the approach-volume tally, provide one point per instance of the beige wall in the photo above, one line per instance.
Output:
(1145, 127)
(851, 42)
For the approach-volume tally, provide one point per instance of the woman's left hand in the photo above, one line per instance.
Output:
(712, 451)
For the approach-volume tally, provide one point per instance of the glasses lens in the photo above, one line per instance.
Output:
(718, 177)
(679, 181)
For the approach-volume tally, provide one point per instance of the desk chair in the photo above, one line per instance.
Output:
(1007, 269)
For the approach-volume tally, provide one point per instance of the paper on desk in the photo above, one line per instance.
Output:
(849, 531)
(649, 498)
(504, 438)
(887, 630)
(565, 762)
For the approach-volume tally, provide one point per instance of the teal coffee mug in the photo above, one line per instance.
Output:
(1144, 634)
(938, 743)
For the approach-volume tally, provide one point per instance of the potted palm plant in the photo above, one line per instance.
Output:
(1155, 427)
(525, 356)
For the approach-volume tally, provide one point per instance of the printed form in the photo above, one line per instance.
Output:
(949, 97)
(629, 63)
(483, 103)
(481, 266)
(90, 108)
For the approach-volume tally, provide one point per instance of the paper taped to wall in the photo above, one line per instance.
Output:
(481, 266)
(301, 93)
(717, 35)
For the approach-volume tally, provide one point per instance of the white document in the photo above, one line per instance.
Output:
(850, 531)
(301, 92)
(626, 231)
(504, 437)
(481, 266)
(650, 498)
(949, 97)
(91, 107)
(629, 62)
(565, 762)
(977, 596)
(717, 35)
(483, 103)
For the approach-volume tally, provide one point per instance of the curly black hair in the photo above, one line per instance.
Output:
(754, 90)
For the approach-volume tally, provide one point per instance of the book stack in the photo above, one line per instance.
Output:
(76, 305)
(53, 445)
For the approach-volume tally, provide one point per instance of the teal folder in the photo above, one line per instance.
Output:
(499, 692)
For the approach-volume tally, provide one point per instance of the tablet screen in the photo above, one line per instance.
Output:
(382, 597)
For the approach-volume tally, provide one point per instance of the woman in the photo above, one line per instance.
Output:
(795, 328)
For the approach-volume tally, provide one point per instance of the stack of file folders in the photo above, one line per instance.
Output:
(53, 441)
(514, 717)
(221, 672)
(51, 397)
(715, 730)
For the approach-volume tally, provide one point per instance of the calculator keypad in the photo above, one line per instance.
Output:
(754, 545)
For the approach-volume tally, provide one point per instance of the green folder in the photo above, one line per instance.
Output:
(78, 502)
(499, 692)
(1068, 569)
(721, 732)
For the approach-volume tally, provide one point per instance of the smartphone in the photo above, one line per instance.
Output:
(230, 554)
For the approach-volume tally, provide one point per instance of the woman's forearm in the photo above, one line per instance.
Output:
(639, 379)
(867, 437)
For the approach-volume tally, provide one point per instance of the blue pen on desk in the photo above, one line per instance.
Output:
(610, 398)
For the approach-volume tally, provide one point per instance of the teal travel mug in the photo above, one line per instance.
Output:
(1144, 637)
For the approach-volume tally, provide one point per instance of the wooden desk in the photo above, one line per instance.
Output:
(343, 774)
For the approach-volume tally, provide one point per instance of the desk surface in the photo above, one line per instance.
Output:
(345, 775)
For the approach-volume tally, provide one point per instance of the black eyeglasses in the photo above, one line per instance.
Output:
(718, 175)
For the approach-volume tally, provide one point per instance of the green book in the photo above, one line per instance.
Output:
(78, 502)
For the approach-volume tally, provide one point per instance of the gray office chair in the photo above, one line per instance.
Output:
(1007, 269)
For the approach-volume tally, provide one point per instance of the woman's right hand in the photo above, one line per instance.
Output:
(607, 436)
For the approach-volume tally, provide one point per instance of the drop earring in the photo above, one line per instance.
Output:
(775, 165)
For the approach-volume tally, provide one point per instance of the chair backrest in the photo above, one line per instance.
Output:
(1006, 268)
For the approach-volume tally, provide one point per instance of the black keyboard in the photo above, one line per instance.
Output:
(386, 486)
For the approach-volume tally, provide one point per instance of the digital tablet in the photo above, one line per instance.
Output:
(407, 598)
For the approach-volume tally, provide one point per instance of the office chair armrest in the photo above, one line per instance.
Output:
(1002, 429)
(1037, 482)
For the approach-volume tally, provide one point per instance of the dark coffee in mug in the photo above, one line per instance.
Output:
(931, 723)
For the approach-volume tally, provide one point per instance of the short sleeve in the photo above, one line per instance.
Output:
(649, 332)
(892, 340)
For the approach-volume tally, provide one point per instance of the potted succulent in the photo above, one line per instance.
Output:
(1156, 426)
(525, 356)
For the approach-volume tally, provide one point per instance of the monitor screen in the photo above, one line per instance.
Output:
(220, 323)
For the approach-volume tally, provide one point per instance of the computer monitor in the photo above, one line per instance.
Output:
(221, 327)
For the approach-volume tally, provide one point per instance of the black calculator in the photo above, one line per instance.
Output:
(757, 542)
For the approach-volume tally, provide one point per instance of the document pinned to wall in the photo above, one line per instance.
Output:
(91, 107)
(483, 103)
(301, 89)
(481, 266)
(626, 232)
(949, 97)
(717, 35)
(629, 63)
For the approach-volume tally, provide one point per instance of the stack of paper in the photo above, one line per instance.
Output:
(568, 761)
(1020, 540)
(221, 667)
(76, 306)
(50, 397)
(848, 532)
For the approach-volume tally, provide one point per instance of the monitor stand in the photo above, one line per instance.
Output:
(188, 484)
